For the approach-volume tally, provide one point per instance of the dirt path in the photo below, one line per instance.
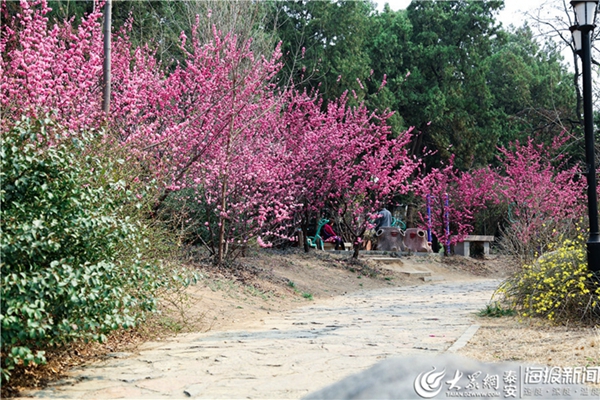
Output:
(288, 354)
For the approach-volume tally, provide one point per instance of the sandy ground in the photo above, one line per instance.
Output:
(267, 285)
(278, 282)
(284, 279)
(287, 355)
(497, 339)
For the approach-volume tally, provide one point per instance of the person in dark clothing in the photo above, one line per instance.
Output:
(329, 236)
(384, 219)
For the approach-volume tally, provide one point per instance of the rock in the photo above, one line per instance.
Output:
(450, 375)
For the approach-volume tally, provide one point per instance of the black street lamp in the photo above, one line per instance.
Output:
(585, 15)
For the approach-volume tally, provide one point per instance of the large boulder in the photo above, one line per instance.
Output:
(449, 375)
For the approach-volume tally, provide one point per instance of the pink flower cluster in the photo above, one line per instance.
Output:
(216, 123)
(534, 183)
(257, 156)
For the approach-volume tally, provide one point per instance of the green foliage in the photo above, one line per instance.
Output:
(62, 10)
(449, 44)
(496, 310)
(451, 71)
(323, 43)
(558, 286)
(71, 262)
(529, 84)
(160, 23)
(188, 215)
(388, 51)
(191, 219)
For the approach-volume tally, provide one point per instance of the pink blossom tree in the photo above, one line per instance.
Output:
(216, 124)
(545, 196)
(315, 145)
(381, 170)
(456, 198)
(208, 124)
(344, 160)
(51, 70)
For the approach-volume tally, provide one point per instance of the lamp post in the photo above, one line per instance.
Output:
(585, 13)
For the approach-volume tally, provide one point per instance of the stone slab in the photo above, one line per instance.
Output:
(445, 376)
(432, 278)
(417, 274)
(387, 260)
(464, 339)
(478, 238)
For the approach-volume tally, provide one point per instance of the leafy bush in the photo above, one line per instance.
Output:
(71, 263)
(558, 286)
(188, 215)
(184, 213)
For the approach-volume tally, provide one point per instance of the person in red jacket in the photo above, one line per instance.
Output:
(329, 236)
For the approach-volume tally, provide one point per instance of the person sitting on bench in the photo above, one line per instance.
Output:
(329, 236)
(384, 219)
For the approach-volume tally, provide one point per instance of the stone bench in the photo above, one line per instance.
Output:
(331, 246)
(464, 248)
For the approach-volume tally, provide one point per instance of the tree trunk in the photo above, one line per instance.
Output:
(304, 226)
(221, 253)
(410, 216)
(356, 250)
(222, 248)
(357, 242)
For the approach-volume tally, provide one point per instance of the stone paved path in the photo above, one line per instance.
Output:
(292, 354)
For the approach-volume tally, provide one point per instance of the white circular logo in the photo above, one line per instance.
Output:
(429, 384)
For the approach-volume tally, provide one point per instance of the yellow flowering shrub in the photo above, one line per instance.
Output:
(557, 286)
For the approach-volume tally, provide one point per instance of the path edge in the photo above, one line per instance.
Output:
(463, 339)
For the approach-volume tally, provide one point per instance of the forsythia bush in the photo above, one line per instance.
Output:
(558, 286)
(70, 268)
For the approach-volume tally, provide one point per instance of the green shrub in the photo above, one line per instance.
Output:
(71, 263)
(184, 213)
(558, 286)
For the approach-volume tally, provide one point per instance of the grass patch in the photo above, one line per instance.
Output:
(496, 311)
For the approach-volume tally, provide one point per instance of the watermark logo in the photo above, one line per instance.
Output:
(520, 382)
(429, 384)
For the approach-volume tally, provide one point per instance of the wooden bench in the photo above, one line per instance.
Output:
(464, 248)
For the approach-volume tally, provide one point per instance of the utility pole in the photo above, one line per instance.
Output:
(106, 65)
